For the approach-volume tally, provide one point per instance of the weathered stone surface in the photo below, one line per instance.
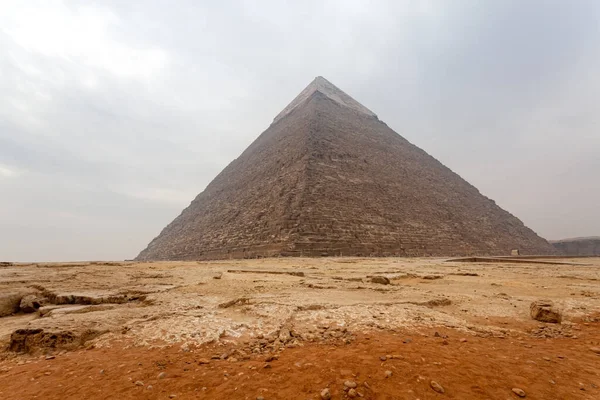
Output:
(9, 303)
(329, 178)
(31, 303)
(545, 311)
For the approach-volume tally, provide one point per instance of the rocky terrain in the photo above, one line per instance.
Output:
(305, 328)
(582, 246)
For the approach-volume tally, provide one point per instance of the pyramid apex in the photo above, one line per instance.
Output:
(323, 86)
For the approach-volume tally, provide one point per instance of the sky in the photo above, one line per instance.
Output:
(115, 114)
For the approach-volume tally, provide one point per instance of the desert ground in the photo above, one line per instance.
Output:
(300, 328)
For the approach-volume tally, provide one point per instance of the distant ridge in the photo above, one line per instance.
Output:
(329, 178)
(580, 246)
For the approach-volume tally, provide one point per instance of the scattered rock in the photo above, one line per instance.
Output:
(162, 375)
(388, 373)
(463, 340)
(218, 276)
(595, 350)
(285, 335)
(544, 311)
(203, 361)
(436, 387)
(50, 357)
(383, 358)
(235, 302)
(149, 387)
(352, 393)
(438, 302)
(381, 280)
(172, 396)
(519, 392)
(325, 394)
(139, 383)
(260, 398)
(350, 384)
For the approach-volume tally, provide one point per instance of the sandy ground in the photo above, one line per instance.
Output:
(108, 330)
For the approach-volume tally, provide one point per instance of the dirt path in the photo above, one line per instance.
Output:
(467, 367)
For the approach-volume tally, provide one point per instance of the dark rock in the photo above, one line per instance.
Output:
(544, 311)
(380, 279)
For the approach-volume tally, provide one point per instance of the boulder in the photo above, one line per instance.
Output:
(9, 303)
(545, 311)
(31, 303)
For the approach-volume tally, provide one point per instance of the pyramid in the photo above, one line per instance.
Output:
(329, 178)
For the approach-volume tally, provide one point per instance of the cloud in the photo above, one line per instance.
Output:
(114, 115)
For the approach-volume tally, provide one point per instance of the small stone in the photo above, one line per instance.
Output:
(139, 383)
(546, 358)
(352, 393)
(325, 394)
(149, 387)
(406, 341)
(162, 375)
(350, 384)
(271, 358)
(381, 280)
(519, 392)
(436, 387)
(203, 361)
(101, 372)
(595, 350)
(437, 334)
(172, 396)
(388, 373)
(260, 398)
(267, 366)
(445, 342)
(383, 358)
(50, 357)
(463, 340)
(218, 276)
(285, 335)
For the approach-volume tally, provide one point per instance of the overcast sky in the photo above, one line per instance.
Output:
(114, 115)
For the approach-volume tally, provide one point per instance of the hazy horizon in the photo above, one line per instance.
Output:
(114, 116)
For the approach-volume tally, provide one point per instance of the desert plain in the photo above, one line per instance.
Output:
(300, 328)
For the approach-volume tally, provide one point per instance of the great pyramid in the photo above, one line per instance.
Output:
(329, 178)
